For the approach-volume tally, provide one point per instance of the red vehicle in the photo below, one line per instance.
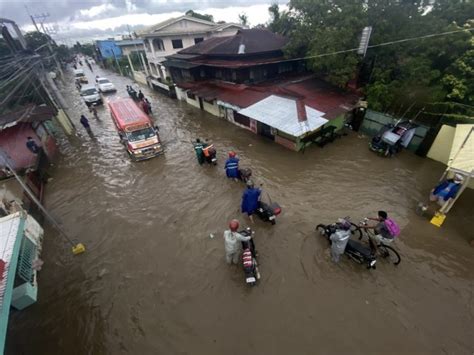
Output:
(135, 129)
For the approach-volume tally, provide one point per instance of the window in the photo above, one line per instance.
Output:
(197, 40)
(177, 43)
(158, 45)
(191, 95)
(243, 120)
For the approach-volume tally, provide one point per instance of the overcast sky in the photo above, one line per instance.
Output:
(76, 19)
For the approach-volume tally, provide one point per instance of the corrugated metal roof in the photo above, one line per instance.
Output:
(281, 113)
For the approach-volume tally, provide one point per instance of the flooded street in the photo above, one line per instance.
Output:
(152, 281)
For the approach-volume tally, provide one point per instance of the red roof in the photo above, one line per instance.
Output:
(126, 113)
(308, 90)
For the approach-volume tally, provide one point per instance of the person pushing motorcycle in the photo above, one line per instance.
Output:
(232, 242)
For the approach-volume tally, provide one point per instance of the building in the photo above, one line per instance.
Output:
(20, 247)
(135, 47)
(246, 79)
(28, 121)
(168, 37)
(108, 49)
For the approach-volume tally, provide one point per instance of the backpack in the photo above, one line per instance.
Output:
(392, 227)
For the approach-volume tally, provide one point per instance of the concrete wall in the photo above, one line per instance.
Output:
(442, 144)
(374, 121)
(192, 102)
(213, 109)
(140, 77)
(180, 94)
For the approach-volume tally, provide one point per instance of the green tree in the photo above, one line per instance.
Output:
(243, 19)
(205, 17)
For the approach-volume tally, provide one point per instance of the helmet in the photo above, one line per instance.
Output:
(458, 178)
(231, 154)
(250, 183)
(234, 225)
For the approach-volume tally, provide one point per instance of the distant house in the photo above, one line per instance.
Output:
(108, 49)
(173, 35)
(246, 79)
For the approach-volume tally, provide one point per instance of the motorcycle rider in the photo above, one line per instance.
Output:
(198, 146)
(382, 234)
(209, 151)
(232, 242)
(250, 199)
(339, 239)
(232, 166)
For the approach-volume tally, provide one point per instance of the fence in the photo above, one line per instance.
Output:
(374, 121)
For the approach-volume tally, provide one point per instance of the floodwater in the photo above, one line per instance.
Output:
(153, 282)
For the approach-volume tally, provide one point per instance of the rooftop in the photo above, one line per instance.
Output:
(129, 42)
(314, 93)
(245, 42)
(283, 114)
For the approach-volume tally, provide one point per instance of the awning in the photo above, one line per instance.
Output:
(181, 64)
(461, 157)
(30, 113)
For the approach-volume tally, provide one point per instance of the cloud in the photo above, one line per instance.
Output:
(91, 24)
(94, 11)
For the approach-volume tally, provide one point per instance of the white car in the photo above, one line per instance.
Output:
(91, 95)
(105, 85)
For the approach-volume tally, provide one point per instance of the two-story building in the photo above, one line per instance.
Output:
(246, 79)
(168, 37)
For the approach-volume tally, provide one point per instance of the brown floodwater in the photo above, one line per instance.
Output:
(153, 282)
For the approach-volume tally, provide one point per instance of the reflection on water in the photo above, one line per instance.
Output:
(152, 281)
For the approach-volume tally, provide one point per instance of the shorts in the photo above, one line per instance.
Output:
(381, 239)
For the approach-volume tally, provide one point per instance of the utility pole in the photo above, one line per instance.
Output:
(42, 18)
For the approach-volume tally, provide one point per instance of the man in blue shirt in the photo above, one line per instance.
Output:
(32, 146)
(232, 166)
(250, 199)
(446, 190)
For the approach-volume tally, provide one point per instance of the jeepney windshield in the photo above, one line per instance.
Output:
(140, 134)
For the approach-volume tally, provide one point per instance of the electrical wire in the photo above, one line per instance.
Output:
(354, 49)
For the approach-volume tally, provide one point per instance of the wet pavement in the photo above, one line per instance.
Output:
(153, 282)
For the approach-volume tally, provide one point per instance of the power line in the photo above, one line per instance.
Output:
(356, 49)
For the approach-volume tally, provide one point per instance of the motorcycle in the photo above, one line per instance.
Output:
(267, 212)
(132, 93)
(393, 138)
(249, 259)
(245, 174)
(211, 158)
(358, 252)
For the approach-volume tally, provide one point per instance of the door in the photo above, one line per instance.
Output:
(265, 130)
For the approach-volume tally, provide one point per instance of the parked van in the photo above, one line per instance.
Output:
(135, 129)
(90, 95)
(79, 75)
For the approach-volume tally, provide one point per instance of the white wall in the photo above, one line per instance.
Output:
(192, 102)
(213, 109)
(186, 26)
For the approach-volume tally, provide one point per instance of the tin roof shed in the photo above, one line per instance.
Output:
(283, 114)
